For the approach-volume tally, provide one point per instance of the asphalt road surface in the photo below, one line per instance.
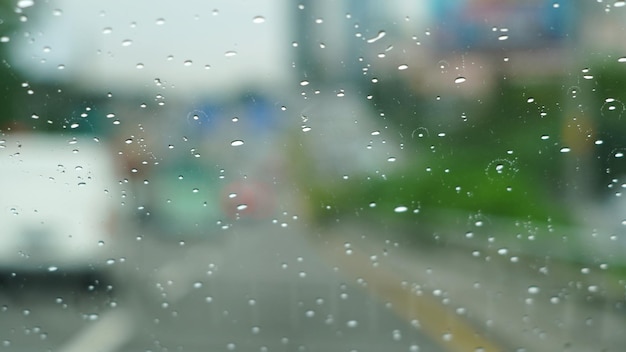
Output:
(261, 287)
(283, 286)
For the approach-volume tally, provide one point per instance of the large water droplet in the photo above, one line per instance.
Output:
(258, 19)
(230, 53)
(460, 80)
(236, 143)
(25, 3)
(403, 67)
(378, 36)
(400, 209)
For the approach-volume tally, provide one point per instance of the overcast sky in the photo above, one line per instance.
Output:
(101, 44)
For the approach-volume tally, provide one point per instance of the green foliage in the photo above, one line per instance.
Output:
(9, 81)
(494, 161)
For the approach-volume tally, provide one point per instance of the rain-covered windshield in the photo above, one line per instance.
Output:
(312, 175)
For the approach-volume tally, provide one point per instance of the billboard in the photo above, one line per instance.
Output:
(496, 24)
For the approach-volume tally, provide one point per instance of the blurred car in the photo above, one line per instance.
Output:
(57, 204)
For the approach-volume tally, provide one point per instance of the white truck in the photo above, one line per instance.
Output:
(58, 204)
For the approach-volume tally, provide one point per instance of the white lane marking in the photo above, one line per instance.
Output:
(116, 327)
(108, 334)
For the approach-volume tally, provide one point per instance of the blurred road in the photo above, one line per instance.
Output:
(262, 288)
(285, 287)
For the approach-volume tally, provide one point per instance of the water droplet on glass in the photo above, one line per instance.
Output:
(400, 209)
(230, 53)
(258, 19)
(460, 80)
(378, 36)
(533, 290)
(503, 37)
(587, 270)
(127, 42)
(236, 143)
(160, 21)
(403, 67)
(25, 3)
(53, 268)
(352, 323)
(565, 150)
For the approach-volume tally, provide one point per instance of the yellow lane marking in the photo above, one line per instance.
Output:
(444, 326)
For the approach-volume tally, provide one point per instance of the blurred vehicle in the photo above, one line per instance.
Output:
(57, 204)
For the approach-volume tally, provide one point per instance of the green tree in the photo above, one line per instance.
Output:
(9, 79)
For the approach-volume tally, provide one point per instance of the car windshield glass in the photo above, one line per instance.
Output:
(271, 175)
